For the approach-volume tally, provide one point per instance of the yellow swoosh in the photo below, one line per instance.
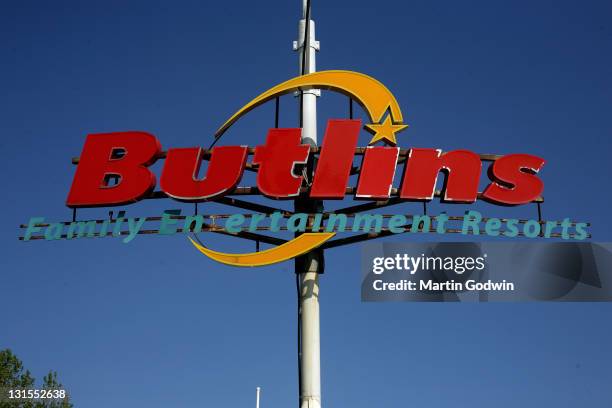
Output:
(371, 94)
(375, 99)
(297, 246)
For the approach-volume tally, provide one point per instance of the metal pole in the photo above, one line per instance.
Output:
(310, 376)
(257, 401)
(309, 97)
(308, 266)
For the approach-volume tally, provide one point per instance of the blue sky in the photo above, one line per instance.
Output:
(153, 323)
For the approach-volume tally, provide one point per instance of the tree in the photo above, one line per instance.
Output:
(14, 376)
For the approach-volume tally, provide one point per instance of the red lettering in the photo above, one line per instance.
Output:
(121, 156)
(336, 159)
(182, 166)
(461, 167)
(114, 170)
(514, 180)
(377, 172)
(276, 160)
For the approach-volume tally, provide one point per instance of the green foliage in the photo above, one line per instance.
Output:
(14, 376)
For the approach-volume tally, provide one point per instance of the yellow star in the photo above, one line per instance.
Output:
(385, 131)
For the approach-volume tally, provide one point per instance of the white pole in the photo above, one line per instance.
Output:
(309, 99)
(311, 355)
(257, 401)
(310, 368)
